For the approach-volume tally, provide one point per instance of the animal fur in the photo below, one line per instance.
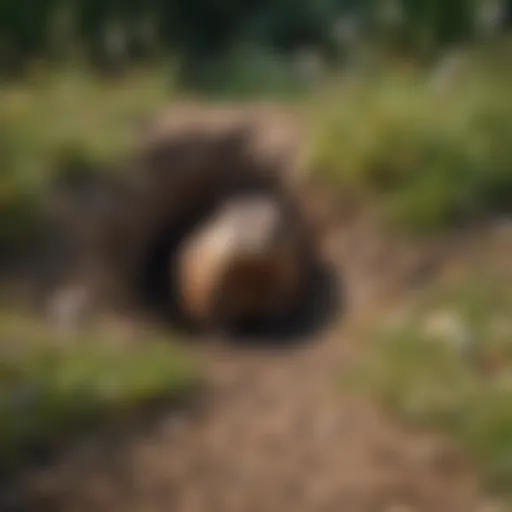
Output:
(190, 162)
(245, 263)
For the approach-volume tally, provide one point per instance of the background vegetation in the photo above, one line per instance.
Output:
(431, 150)
(410, 109)
(448, 364)
(200, 31)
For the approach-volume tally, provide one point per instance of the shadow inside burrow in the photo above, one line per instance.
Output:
(317, 307)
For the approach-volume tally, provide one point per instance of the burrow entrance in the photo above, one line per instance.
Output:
(132, 222)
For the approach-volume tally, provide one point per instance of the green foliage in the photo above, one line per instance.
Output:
(53, 112)
(459, 379)
(50, 391)
(431, 154)
(438, 22)
(249, 72)
(196, 30)
(201, 30)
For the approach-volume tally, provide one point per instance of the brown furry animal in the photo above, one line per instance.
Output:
(245, 263)
(190, 161)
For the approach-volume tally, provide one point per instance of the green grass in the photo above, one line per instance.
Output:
(429, 156)
(55, 109)
(53, 386)
(53, 112)
(456, 377)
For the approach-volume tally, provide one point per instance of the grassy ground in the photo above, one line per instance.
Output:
(55, 385)
(448, 364)
(49, 390)
(53, 113)
(430, 150)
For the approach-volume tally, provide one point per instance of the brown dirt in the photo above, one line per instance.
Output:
(276, 437)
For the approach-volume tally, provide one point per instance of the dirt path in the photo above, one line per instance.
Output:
(276, 435)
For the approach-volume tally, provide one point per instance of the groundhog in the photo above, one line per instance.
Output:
(245, 264)
(125, 224)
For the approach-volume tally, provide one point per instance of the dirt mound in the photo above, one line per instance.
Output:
(126, 226)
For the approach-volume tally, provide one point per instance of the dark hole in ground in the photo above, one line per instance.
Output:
(320, 303)
(155, 281)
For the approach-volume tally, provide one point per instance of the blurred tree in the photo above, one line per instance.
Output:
(508, 13)
(201, 30)
(435, 23)
(23, 29)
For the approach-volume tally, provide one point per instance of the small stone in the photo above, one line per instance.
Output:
(174, 424)
(67, 309)
(492, 506)
(449, 327)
